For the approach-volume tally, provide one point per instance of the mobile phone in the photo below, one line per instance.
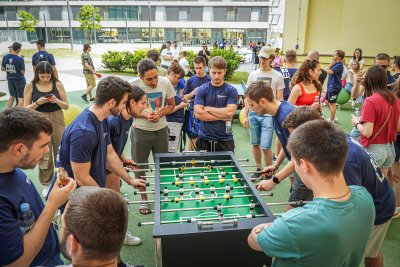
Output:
(49, 95)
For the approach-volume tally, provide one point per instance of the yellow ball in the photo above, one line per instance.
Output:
(71, 113)
(177, 183)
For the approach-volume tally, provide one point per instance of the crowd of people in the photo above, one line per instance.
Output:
(351, 181)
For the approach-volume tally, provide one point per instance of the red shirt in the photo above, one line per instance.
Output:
(376, 109)
(305, 99)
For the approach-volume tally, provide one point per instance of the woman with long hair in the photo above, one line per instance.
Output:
(357, 55)
(379, 121)
(47, 95)
(305, 84)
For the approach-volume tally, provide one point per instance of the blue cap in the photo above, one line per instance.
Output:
(24, 207)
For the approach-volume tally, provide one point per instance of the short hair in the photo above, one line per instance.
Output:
(321, 143)
(175, 42)
(340, 53)
(111, 87)
(145, 65)
(86, 47)
(153, 55)
(22, 125)
(199, 60)
(184, 53)
(16, 46)
(291, 56)
(259, 89)
(382, 56)
(41, 43)
(168, 42)
(217, 62)
(396, 60)
(313, 55)
(98, 218)
(176, 69)
(300, 115)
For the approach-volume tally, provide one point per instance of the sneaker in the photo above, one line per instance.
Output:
(84, 97)
(92, 99)
(396, 214)
(257, 174)
(45, 190)
(131, 240)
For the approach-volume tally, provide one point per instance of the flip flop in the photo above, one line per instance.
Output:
(144, 208)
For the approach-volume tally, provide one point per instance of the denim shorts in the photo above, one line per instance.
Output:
(261, 130)
(383, 154)
(16, 88)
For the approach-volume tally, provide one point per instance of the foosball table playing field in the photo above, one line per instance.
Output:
(205, 207)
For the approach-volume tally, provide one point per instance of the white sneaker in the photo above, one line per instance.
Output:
(131, 240)
(45, 190)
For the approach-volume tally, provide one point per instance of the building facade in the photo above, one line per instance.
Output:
(190, 22)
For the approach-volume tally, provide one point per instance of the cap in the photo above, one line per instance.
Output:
(16, 46)
(266, 52)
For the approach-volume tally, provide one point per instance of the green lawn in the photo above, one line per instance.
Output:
(144, 254)
(57, 53)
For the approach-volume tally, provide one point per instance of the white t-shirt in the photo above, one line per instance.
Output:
(274, 78)
(166, 52)
(184, 64)
(155, 102)
(175, 52)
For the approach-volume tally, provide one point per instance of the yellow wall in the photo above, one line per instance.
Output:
(327, 25)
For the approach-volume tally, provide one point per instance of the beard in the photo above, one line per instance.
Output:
(115, 111)
(63, 247)
(29, 163)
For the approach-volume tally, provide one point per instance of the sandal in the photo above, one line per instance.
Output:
(144, 208)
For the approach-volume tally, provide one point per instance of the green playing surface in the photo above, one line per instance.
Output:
(169, 176)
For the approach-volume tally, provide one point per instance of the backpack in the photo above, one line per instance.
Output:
(41, 57)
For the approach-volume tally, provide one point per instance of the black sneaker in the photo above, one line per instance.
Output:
(257, 174)
(84, 97)
(92, 99)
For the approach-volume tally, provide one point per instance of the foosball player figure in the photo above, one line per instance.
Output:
(252, 206)
(177, 183)
(202, 175)
(223, 173)
(221, 217)
(219, 209)
(221, 179)
(191, 181)
(165, 191)
(208, 168)
(234, 178)
(181, 175)
(202, 197)
(227, 189)
(206, 181)
(181, 192)
(197, 191)
(183, 168)
(212, 190)
(193, 162)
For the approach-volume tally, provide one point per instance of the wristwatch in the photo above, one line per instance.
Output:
(275, 179)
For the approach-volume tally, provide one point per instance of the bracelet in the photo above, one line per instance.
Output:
(273, 164)
(357, 124)
(37, 103)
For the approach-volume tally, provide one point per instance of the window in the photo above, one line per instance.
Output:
(220, 13)
(195, 13)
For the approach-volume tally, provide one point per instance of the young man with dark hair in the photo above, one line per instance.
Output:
(167, 56)
(89, 72)
(184, 63)
(314, 55)
(214, 105)
(319, 152)
(151, 131)
(24, 136)
(261, 128)
(175, 50)
(84, 244)
(335, 71)
(43, 55)
(154, 55)
(204, 52)
(191, 86)
(14, 66)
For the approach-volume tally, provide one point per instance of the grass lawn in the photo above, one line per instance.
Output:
(57, 53)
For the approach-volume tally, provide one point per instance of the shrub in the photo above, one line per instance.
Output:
(113, 60)
(232, 60)
(132, 60)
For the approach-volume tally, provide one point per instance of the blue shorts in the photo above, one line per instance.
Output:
(384, 154)
(332, 95)
(261, 130)
(192, 125)
(16, 88)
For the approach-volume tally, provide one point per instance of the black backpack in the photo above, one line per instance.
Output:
(41, 57)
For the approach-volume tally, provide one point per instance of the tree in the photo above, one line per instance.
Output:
(28, 21)
(85, 17)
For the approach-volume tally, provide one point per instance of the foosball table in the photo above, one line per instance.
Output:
(205, 208)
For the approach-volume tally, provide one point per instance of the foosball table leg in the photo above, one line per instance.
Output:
(158, 251)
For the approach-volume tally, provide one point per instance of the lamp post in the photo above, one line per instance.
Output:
(94, 25)
(70, 27)
(150, 34)
(126, 27)
(45, 27)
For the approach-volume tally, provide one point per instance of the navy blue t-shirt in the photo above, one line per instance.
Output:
(14, 66)
(85, 140)
(282, 133)
(118, 128)
(287, 75)
(179, 115)
(361, 169)
(192, 83)
(391, 79)
(218, 97)
(335, 79)
(43, 55)
(16, 188)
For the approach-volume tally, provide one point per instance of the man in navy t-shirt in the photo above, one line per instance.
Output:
(14, 66)
(335, 71)
(289, 71)
(191, 86)
(24, 136)
(214, 105)
(43, 55)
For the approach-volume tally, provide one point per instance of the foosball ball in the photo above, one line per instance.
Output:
(205, 207)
